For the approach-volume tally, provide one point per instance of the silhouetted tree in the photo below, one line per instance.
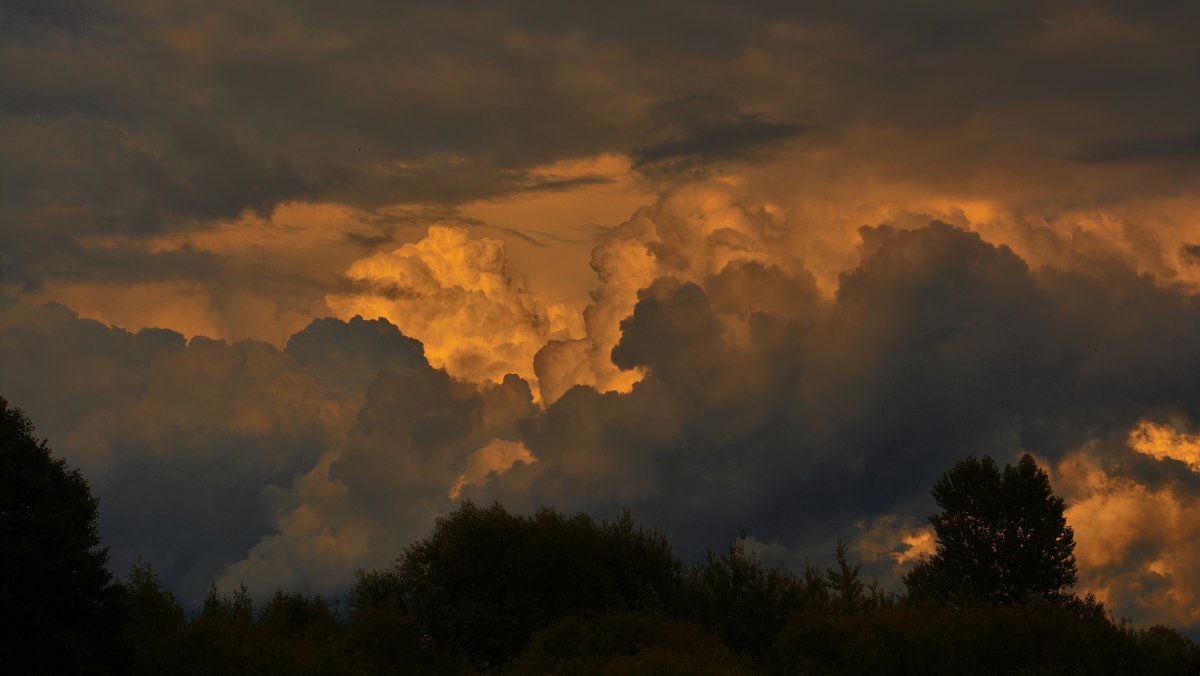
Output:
(851, 594)
(57, 597)
(746, 603)
(1001, 537)
(153, 621)
(486, 579)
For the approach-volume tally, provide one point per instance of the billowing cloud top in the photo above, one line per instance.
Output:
(287, 282)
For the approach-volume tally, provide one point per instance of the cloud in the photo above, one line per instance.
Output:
(351, 354)
(453, 293)
(420, 437)
(758, 402)
(193, 447)
(498, 456)
(688, 134)
(246, 278)
(690, 234)
(1143, 149)
(32, 18)
(36, 103)
(937, 346)
(1163, 441)
(212, 177)
(1135, 542)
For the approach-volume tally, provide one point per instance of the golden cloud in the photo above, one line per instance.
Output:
(1137, 546)
(453, 293)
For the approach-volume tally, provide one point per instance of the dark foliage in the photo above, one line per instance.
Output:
(493, 592)
(1001, 537)
(726, 615)
(626, 642)
(153, 623)
(1039, 636)
(487, 579)
(746, 604)
(57, 599)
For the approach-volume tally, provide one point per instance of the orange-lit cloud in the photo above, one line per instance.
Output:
(253, 277)
(902, 540)
(1136, 544)
(453, 293)
(496, 457)
(1164, 441)
(689, 235)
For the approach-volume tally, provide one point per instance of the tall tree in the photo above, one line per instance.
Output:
(57, 597)
(1001, 536)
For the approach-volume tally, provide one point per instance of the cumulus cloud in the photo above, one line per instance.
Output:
(752, 399)
(194, 447)
(453, 293)
(816, 418)
(690, 235)
(1135, 541)
(177, 439)
(420, 437)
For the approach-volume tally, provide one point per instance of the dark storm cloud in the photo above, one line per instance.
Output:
(117, 264)
(445, 181)
(939, 345)
(190, 446)
(687, 134)
(33, 17)
(212, 176)
(351, 354)
(1143, 149)
(157, 117)
(34, 104)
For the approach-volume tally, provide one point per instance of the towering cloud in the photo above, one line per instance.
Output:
(454, 294)
(690, 235)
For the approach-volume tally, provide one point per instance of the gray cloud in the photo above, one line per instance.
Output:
(214, 109)
(1142, 149)
(939, 345)
(191, 446)
(1190, 254)
(212, 176)
(689, 133)
(33, 17)
(47, 104)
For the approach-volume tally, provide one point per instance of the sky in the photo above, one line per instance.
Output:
(288, 280)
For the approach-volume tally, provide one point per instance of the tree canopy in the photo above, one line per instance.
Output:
(1001, 536)
(485, 579)
(492, 592)
(56, 592)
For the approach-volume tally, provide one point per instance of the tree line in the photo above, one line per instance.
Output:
(489, 591)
